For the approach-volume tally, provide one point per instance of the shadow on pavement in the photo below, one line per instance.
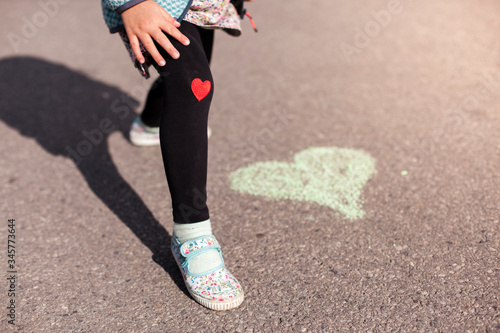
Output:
(72, 115)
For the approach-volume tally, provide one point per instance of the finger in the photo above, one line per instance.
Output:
(164, 42)
(174, 32)
(153, 51)
(173, 21)
(170, 19)
(134, 43)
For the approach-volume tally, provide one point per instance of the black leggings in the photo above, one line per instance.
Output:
(179, 105)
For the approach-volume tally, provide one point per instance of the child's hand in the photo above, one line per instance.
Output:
(147, 21)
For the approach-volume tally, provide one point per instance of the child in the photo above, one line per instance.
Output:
(176, 37)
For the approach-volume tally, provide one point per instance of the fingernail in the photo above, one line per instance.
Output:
(187, 42)
(162, 63)
(176, 55)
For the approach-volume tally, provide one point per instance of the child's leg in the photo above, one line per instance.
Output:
(187, 91)
(153, 108)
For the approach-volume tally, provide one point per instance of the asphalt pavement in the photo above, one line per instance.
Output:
(354, 179)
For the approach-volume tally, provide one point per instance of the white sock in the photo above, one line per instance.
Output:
(188, 231)
(205, 261)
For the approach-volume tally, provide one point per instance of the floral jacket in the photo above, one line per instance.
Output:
(112, 9)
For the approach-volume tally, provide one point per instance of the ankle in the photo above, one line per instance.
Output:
(187, 231)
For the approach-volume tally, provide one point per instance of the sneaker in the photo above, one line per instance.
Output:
(142, 135)
(216, 289)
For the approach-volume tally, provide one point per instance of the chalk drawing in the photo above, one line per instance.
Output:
(329, 176)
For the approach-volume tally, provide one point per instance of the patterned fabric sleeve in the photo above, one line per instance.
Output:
(127, 5)
(114, 4)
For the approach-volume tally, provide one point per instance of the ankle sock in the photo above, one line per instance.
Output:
(205, 261)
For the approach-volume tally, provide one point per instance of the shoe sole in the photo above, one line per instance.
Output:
(217, 306)
(144, 143)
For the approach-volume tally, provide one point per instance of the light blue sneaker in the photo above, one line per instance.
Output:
(216, 289)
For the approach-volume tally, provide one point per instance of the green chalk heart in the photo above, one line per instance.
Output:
(329, 176)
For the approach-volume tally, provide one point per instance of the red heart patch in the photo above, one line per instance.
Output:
(200, 89)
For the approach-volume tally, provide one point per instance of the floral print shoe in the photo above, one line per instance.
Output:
(216, 289)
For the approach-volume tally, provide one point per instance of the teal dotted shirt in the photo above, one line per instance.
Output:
(112, 9)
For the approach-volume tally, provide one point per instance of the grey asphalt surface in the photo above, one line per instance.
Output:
(420, 94)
